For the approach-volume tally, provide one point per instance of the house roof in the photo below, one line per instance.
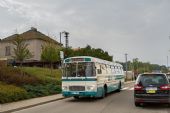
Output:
(29, 35)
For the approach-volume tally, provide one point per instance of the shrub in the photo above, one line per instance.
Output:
(43, 74)
(10, 93)
(12, 75)
(42, 89)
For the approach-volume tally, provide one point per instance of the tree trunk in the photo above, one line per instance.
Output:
(51, 67)
(21, 68)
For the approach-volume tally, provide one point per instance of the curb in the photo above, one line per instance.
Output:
(29, 106)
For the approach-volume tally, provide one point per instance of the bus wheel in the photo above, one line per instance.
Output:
(119, 87)
(76, 97)
(104, 92)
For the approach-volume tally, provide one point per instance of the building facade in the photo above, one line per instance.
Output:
(33, 38)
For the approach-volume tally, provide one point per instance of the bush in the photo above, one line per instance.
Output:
(10, 93)
(12, 75)
(43, 74)
(42, 90)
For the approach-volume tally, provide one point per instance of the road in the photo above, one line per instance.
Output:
(117, 102)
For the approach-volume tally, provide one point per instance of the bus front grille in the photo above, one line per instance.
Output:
(77, 88)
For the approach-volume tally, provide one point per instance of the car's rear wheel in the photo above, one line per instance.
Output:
(137, 104)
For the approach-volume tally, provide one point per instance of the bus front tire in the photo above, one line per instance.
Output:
(104, 92)
(76, 97)
(119, 87)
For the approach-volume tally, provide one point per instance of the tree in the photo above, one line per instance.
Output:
(50, 53)
(88, 51)
(21, 51)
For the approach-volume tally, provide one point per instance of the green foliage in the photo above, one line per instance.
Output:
(42, 90)
(10, 93)
(21, 51)
(12, 75)
(35, 82)
(140, 67)
(44, 75)
(50, 53)
(88, 51)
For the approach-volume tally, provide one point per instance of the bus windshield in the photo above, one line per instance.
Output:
(81, 69)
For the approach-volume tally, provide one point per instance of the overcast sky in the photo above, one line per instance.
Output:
(140, 28)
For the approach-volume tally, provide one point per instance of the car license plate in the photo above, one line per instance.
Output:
(151, 90)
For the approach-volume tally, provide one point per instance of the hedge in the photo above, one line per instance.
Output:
(42, 90)
(14, 76)
(10, 93)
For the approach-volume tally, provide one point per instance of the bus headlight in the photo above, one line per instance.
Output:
(64, 88)
(91, 88)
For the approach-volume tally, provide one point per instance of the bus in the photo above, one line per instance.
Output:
(85, 76)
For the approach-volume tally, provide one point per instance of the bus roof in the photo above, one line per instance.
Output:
(89, 59)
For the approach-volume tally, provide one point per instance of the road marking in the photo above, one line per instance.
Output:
(125, 88)
(131, 88)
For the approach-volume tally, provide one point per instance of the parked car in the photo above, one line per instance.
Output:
(151, 88)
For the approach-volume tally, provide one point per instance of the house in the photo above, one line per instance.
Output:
(35, 41)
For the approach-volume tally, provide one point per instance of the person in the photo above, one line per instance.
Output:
(88, 70)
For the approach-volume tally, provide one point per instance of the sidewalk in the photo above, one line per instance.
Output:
(9, 107)
(14, 106)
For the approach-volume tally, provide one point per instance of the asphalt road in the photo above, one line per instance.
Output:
(117, 102)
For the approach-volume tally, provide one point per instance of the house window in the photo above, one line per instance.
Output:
(7, 51)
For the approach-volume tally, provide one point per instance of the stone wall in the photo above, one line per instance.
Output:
(3, 62)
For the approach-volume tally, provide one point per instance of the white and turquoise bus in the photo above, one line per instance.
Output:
(85, 76)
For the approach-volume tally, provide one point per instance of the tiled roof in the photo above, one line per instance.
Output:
(29, 35)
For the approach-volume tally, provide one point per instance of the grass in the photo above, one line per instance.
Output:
(29, 83)
(44, 74)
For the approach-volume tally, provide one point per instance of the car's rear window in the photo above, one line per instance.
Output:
(152, 79)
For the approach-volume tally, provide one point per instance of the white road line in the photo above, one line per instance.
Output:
(125, 88)
(131, 88)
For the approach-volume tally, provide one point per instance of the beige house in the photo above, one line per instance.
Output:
(33, 38)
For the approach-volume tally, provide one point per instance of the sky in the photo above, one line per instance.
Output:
(140, 28)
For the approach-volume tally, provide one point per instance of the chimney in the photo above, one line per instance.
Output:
(33, 29)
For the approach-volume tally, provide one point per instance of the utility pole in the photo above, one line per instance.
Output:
(167, 61)
(60, 37)
(126, 65)
(66, 39)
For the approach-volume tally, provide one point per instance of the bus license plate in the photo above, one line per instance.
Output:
(75, 93)
(151, 90)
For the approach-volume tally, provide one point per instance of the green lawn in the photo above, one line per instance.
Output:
(44, 74)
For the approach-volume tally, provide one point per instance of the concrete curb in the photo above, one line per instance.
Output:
(16, 106)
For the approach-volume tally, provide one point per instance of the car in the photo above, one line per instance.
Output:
(151, 88)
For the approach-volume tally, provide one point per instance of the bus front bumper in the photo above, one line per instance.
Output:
(79, 93)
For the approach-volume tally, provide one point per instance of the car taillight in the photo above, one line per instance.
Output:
(165, 87)
(138, 87)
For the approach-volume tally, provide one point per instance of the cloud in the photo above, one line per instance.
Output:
(139, 28)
